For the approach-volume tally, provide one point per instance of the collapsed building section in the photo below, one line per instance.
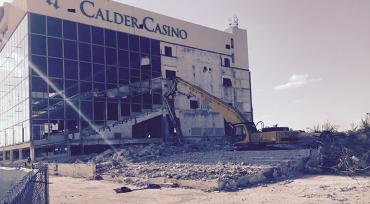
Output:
(75, 79)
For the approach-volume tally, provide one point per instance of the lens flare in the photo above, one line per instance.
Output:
(69, 102)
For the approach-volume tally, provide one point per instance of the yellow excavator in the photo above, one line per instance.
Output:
(245, 132)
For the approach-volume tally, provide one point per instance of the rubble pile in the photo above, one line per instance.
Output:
(144, 154)
(341, 153)
(191, 162)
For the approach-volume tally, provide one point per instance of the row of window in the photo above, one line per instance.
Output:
(86, 71)
(57, 28)
(102, 109)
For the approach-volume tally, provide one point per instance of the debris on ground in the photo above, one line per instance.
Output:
(123, 190)
(340, 153)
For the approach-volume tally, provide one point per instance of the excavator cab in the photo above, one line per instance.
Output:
(239, 132)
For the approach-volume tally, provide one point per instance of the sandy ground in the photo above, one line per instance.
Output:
(309, 189)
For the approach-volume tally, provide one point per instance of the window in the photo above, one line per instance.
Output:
(57, 111)
(194, 104)
(70, 111)
(123, 59)
(170, 74)
(226, 62)
(85, 87)
(111, 56)
(136, 108)
(98, 54)
(227, 82)
(84, 33)
(99, 73)
(122, 41)
(85, 52)
(168, 51)
(110, 38)
(69, 30)
(145, 63)
(72, 126)
(111, 75)
(86, 109)
(97, 35)
(145, 45)
(99, 87)
(85, 71)
(55, 67)
(55, 48)
(70, 49)
(232, 42)
(157, 99)
(38, 44)
(124, 76)
(145, 75)
(99, 110)
(39, 85)
(59, 85)
(39, 63)
(38, 23)
(228, 47)
(155, 47)
(135, 75)
(134, 60)
(54, 27)
(71, 89)
(134, 43)
(125, 109)
(112, 111)
(147, 101)
(156, 64)
(71, 69)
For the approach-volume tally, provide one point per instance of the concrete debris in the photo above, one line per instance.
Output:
(230, 169)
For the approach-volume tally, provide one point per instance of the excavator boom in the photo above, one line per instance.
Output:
(230, 113)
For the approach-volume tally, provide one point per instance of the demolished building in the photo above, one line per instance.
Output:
(76, 76)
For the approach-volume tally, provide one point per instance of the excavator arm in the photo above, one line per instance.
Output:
(232, 115)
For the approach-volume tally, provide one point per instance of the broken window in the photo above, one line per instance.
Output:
(170, 74)
(168, 51)
(194, 104)
(227, 82)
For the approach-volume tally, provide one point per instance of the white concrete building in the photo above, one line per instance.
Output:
(78, 75)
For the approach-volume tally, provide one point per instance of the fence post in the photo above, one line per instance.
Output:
(46, 184)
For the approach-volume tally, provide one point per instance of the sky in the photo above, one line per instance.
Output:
(310, 59)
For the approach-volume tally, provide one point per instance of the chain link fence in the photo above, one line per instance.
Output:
(32, 189)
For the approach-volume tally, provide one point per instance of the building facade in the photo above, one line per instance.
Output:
(79, 76)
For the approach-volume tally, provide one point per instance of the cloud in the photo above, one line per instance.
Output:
(296, 81)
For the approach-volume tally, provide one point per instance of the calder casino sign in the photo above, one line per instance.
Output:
(89, 10)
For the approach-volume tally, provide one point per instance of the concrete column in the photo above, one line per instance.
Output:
(20, 154)
(32, 154)
(164, 129)
(11, 155)
(69, 150)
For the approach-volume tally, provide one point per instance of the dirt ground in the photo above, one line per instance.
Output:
(309, 189)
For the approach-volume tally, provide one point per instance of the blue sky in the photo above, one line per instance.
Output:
(310, 59)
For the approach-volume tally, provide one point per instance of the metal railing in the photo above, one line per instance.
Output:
(32, 189)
